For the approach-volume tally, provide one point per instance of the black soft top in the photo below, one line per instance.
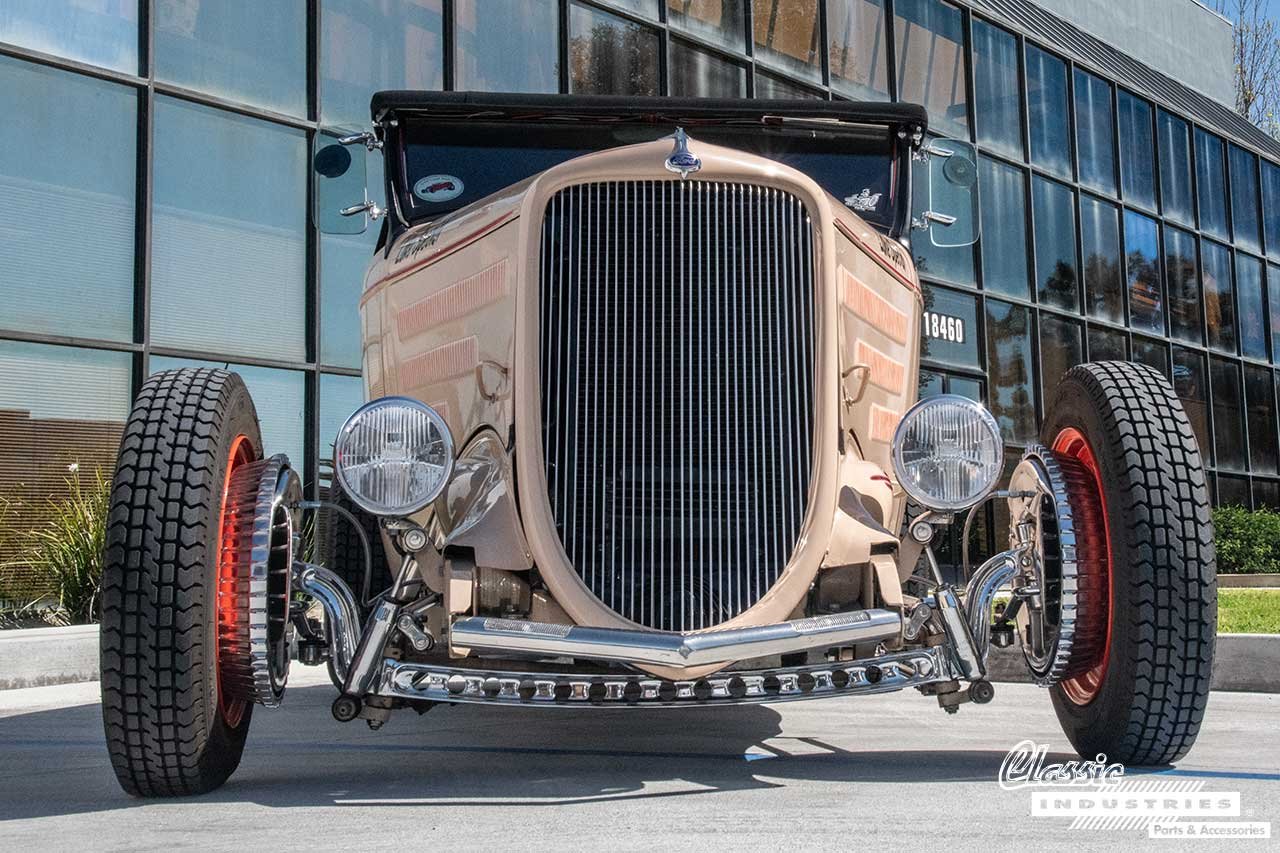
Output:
(643, 109)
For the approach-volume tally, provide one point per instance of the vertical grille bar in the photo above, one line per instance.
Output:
(677, 364)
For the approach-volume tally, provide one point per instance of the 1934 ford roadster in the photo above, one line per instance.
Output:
(643, 430)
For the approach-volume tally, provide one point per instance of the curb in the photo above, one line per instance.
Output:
(1241, 662)
(34, 657)
(1260, 581)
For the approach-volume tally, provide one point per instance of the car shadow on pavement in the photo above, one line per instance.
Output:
(55, 761)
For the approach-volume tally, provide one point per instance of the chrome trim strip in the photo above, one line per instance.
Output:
(514, 636)
(885, 674)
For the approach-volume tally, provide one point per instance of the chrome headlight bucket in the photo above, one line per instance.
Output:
(394, 456)
(947, 453)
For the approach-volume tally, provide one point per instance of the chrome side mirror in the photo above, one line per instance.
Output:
(339, 166)
(947, 192)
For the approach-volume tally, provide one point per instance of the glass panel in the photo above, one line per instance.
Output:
(856, 49)
(242, 50)
(769, 86)
(609, 55)
(1095, 135)
(343, 261)
(1053, 208)
(1142, 262)
(968, 388)
(1103, 277)
(930, 384)
(1266, 493)
(1137, 151)
(950, 328)
(99, 32)
(1004, 229)
(1009, 370)
(1228, 420)
(1107, 345)
(998, 97)
(930, 52)
(643, 8)
(1061, 348)
(1233, 491)
(62, 411)
(787, 35)
(700, 73)
(952, 264)
(228, 264)
(1253, 318)
(1245, 221)
(1192, 386)
(1154, 354)
(1219, 307)
(339, 397)
(277, 395)
(1271, 207)
(1211, 185)
(68, 164)
(1183, 271)
(512, 46)
(1047, 112)
(1260, 393)
(368, 45)
(719, 21)
(1176, 194)
(1273, 286)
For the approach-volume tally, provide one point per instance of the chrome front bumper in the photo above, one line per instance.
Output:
(660, 648)
(884, 674)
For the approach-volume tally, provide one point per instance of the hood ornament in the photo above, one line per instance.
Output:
(680, 160)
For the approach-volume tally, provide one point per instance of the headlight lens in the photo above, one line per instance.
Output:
(947, 453)
(394, 456)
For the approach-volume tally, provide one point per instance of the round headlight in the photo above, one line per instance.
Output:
(947, 453)
(394, 456)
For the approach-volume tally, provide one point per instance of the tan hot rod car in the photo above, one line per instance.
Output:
(643, 430)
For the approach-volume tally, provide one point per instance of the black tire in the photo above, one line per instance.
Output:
(167, 732)
(1146, 701)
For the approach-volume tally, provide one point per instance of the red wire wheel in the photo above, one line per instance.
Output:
(1092, 647)
(226, 614)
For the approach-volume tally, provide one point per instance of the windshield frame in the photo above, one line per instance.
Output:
(393, 111)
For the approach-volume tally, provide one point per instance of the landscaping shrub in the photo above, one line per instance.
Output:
(1248, 542)
(66, 551)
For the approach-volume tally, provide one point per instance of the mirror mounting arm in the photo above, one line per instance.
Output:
(367, 139)
(929, 217)
(370, 207)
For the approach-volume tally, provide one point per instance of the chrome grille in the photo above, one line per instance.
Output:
(677, 366)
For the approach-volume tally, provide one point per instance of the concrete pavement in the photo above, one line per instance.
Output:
(861, 774)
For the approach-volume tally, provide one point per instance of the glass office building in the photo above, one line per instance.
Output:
(155, 196)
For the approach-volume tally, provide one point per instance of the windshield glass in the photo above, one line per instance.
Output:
(448, 165)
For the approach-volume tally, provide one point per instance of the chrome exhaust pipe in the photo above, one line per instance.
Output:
(660, 648)
(341, 616)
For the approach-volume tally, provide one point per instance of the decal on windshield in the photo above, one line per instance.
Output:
(863, 202)
(436, 189)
